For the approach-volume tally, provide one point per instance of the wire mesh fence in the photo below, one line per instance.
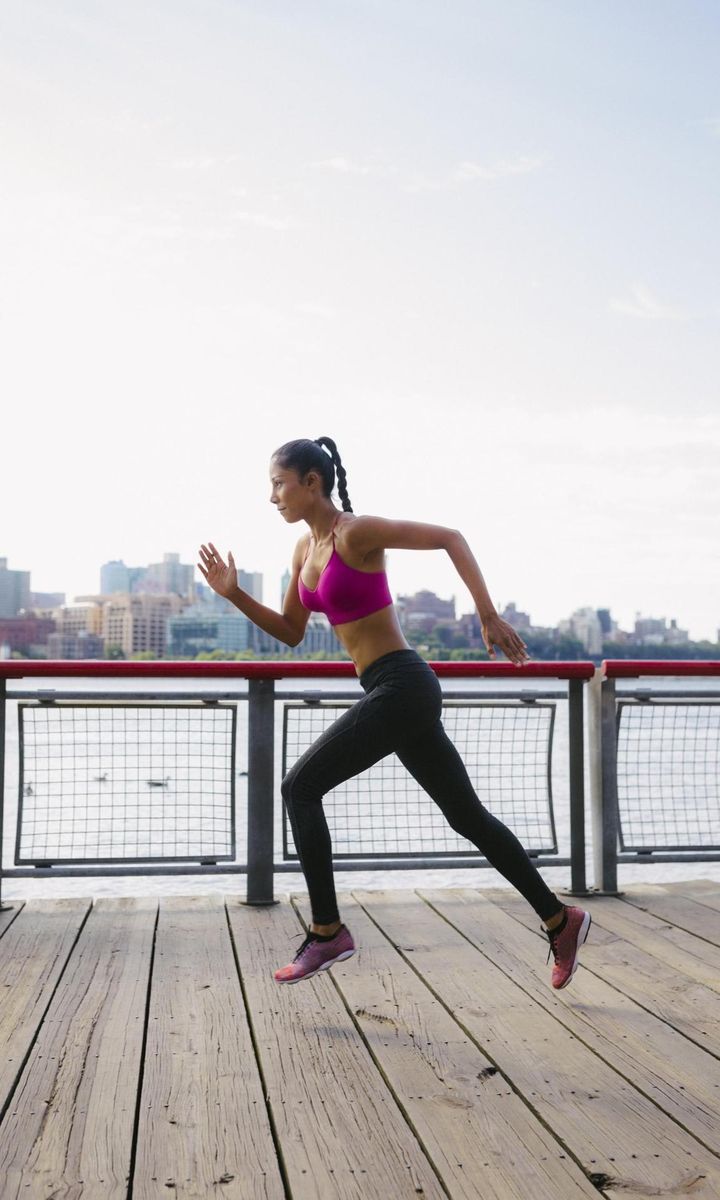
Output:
(668, 775)
(125, 783)
(506, 747)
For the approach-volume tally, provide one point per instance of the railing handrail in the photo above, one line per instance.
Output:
(19, 668)
(627, 668)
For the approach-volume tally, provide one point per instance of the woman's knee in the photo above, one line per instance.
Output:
(296, 789)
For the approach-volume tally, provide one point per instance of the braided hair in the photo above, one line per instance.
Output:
(305, 454)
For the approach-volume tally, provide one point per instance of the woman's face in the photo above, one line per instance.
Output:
(291, 496)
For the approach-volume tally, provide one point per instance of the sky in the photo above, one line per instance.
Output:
(475, 243)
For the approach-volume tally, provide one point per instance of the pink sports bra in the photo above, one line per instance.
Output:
(344, 593)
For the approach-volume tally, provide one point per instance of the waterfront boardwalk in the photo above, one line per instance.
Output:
(148, 1052)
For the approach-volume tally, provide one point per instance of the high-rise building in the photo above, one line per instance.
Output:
(252, 582)
(584, 624)
(170, 577)
(138, 622)
(114, 577)
(284, 585)
(14, 590)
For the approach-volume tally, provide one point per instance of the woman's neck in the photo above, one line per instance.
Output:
(322, 523)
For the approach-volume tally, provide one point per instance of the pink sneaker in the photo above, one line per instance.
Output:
(314, 956)
(565, 944)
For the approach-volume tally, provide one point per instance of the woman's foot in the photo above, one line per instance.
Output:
(566, 937)
(317, 954)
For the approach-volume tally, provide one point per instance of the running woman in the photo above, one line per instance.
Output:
(338, 568)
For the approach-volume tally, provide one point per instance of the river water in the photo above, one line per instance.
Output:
(368, 811)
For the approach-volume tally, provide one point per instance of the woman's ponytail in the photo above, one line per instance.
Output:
(329, 444)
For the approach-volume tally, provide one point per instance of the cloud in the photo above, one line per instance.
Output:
(316, 310)
(343, 165)
(264, 220)
(204, 162)
(644, 304)
(468, 171)
(499, 170)
(713, 124)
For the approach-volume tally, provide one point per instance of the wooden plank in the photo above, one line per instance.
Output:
(34, 948)
(481, 1137)
(204, 1128)
(676, 948)
(673, 1072)
(339, 1130)
(617, 1135)
(690, 1007)
(68, 1130)
(8, 915)
(697, 913)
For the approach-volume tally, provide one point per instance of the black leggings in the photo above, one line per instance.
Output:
(400, 712)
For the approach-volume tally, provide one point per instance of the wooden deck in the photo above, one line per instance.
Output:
(148, 1052)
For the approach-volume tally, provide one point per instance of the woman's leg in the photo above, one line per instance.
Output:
(435, 763)
(360, 737)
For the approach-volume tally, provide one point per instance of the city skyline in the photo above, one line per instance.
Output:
(487, 267)
(254, 581)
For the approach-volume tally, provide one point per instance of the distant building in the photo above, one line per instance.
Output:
(14, 590)
(75, 645)
(654, 631)
(519, 620)
(114, 577)
(284, 585)
(584, 625)
(138, 622)
(170, 577)
(199, 628)
(251, 582)
(319, 635)
(72, 620)
(46, 600)
(26, 635)
(423, 610)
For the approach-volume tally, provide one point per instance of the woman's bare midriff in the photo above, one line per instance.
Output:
(371, 637)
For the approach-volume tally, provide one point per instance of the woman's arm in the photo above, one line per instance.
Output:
(287, 626)
(372, 533)
(365, 534)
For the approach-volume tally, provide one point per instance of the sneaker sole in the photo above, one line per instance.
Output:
(582, 938)
(323, 967)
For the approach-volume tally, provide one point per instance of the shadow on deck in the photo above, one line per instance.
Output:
(148, 1052)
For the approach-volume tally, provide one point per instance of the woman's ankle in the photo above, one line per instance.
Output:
(325, 930)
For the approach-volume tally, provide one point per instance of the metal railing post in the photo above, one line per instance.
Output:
(261, 816)
(3, 699)
(605, 806)
(578, 885)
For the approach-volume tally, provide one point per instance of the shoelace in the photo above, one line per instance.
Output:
(552, 938)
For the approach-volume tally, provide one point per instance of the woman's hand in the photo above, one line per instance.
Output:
(497, 632)
(222, 578)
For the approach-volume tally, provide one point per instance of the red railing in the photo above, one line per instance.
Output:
(19, 668)
(626, 668)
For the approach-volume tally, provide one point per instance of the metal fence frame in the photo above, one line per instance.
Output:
(603, 709)
(261, 696)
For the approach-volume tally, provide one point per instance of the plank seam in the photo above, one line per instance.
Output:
(141, 1074)
(258, 1061)
(405, 1115)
